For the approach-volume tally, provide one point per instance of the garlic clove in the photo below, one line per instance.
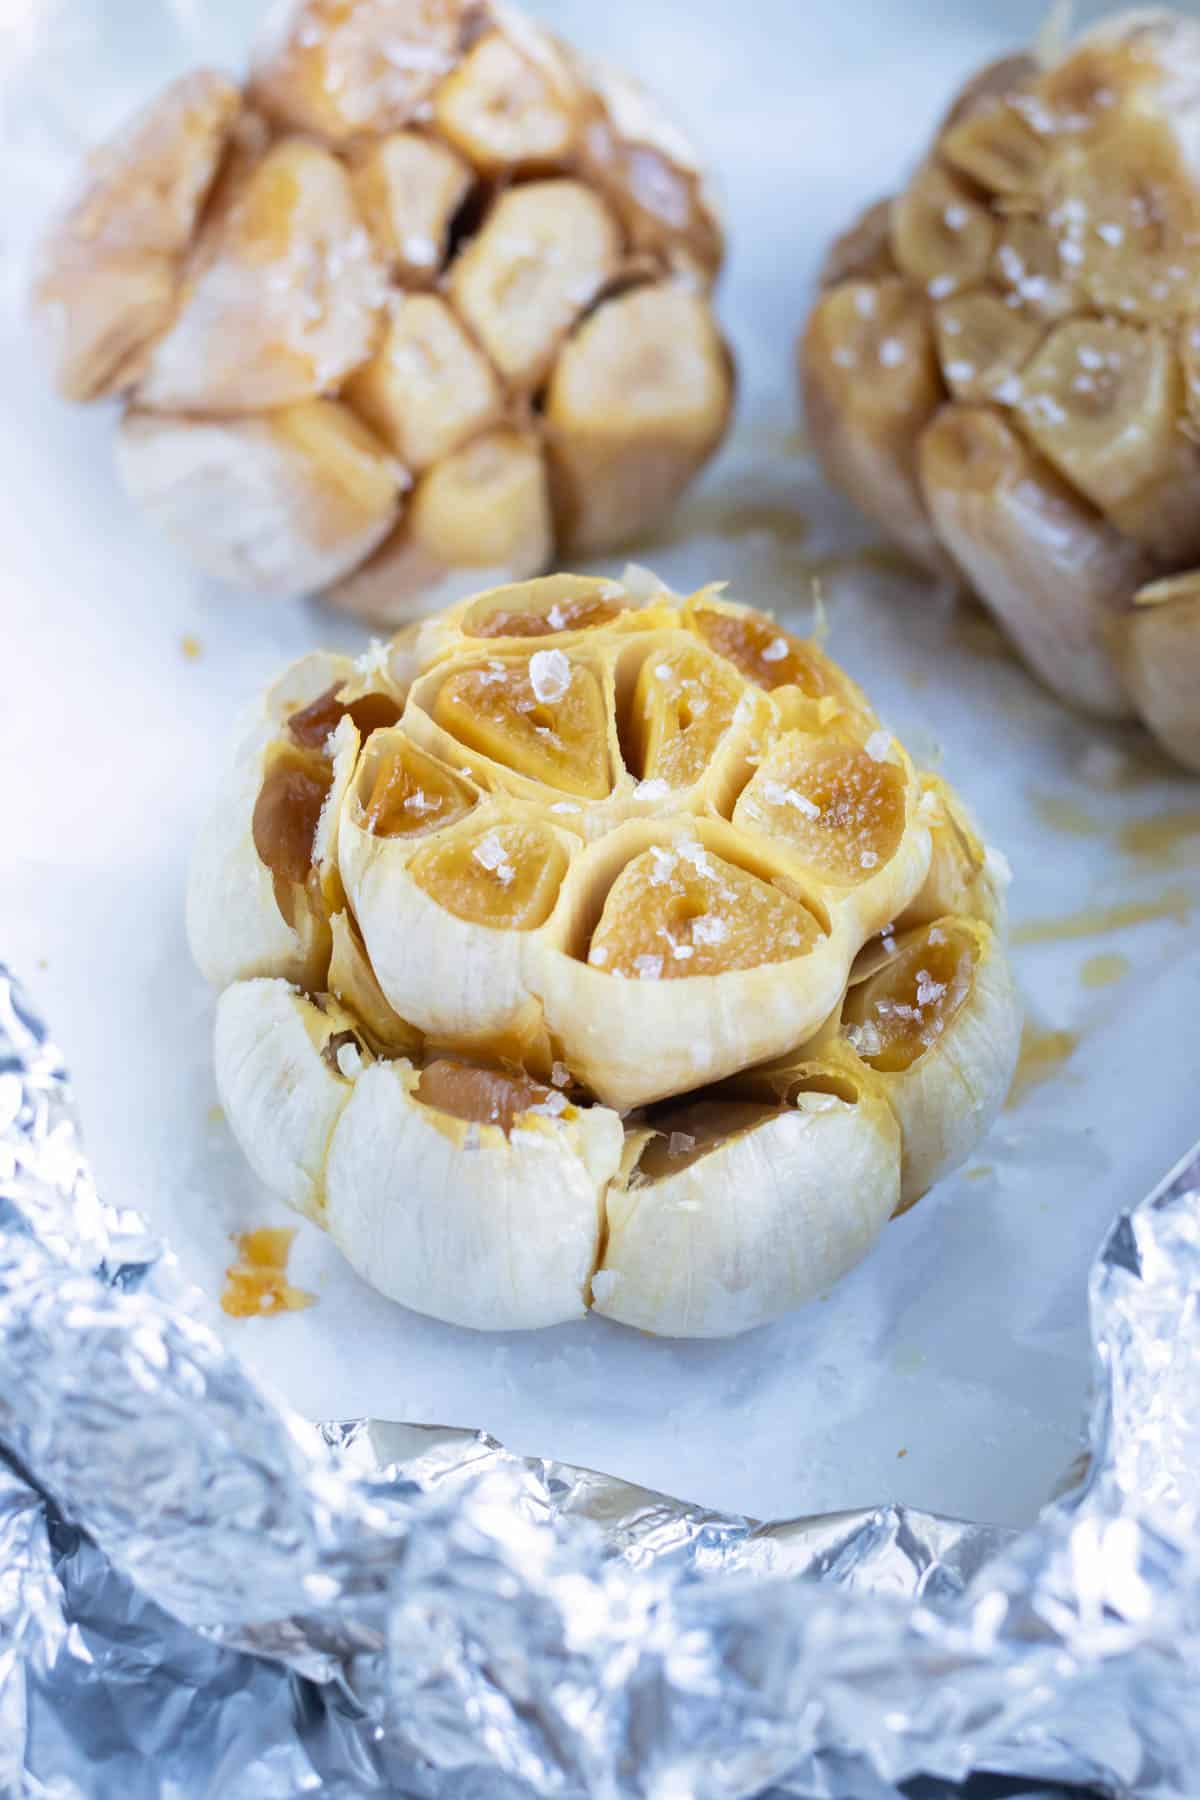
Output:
(1160, 656)
(940, 1023)
(871, 384)
(280, 504)
(281, 292)
(1054, 573)
(639, 398)
(478, 518)
(109, 268)
(338, 71)
(506, 111)
(408, 189)
(285, 1071)
(460, 1218)
(738, 1212)
(543, 253)
(427, 388)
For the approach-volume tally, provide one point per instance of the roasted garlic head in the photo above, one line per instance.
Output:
(592, 946)
(1003, 366)
(424, 302)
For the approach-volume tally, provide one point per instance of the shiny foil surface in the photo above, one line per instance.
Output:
(202, 1595)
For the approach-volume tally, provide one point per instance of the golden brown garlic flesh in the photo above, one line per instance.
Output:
(1001, 367)
(638, 967)
(429, 218)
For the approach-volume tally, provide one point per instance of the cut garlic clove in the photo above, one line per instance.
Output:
(940, 1023)
(108, 272)
(1101, 401)
(1026, 263)
(353, 983)
(1052, 571)
(639, 398)
(281, 292)
(540, 258)
(427, 388)
(285, 1071)
(408, 189)
(1161, 660)
(984, 343)
(991, 136)
(479, 517)
(236, 924)
(339, 71)
(942, 236)
(871, 383)
(281, 504)
(458, 1217)
(863, 252)
(506, 113)
(737, 1212)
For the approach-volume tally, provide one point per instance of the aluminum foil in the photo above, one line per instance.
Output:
(200, 1594)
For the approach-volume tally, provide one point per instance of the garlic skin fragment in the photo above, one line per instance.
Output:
(499, 1237)
(755, 1227)
(281, 1096)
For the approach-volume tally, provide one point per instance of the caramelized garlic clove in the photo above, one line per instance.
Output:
(285, 1069)
(1054, 573)
(408, 189)
(478, 518)
(765, 1209)
(871, 383)
(428, 388)
(281, 504)
(639, 398)
(339, 71)
(940, 1023)
(110, 266)
(507, 112)
(1160, 646)
(281, 292)
(983, 344)
(460, 1220)
(540, 258)
(942, 236)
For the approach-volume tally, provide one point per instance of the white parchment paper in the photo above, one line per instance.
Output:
(949, 1370)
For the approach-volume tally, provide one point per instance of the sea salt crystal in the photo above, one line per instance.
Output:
(864, 1039)
(549, 675)
(1008, 392)
(604, 1285)
(928, 990)
(374, 659)
(696, 854)
(709, 930)
(960, 371)
(598, 955)
(940, 287)
(779, 794)
(775, 651)
(664, 671)
(653, 789)
(664, 865)
(566, 806)
(680, 1143)
(878, 745)
(491, 855)
(956, 216)
(648, 968)
(869, 859)
(349, 1060)
(891, 353)
(682, 952)
(551, 1106)
(560, 1075)
(556, 618)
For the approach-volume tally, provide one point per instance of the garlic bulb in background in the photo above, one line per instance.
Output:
(590, 946)
(423, 303)
(1002, 368)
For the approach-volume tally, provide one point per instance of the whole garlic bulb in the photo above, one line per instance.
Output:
(424, 302)
(589, 946)
(1002, 368)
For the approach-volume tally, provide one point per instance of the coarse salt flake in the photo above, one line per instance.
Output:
(349, 1060)
(878, 745)
(775, 651)
(560, 1075)
(491, 855)
(549, 675)
(709, 930)
(680, 1143)
(648, 968)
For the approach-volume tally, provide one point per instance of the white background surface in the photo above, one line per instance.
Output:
(962, 1341)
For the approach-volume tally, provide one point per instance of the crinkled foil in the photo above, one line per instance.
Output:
(200, 1595)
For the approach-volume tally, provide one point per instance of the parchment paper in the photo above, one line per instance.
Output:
(949, 1371)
